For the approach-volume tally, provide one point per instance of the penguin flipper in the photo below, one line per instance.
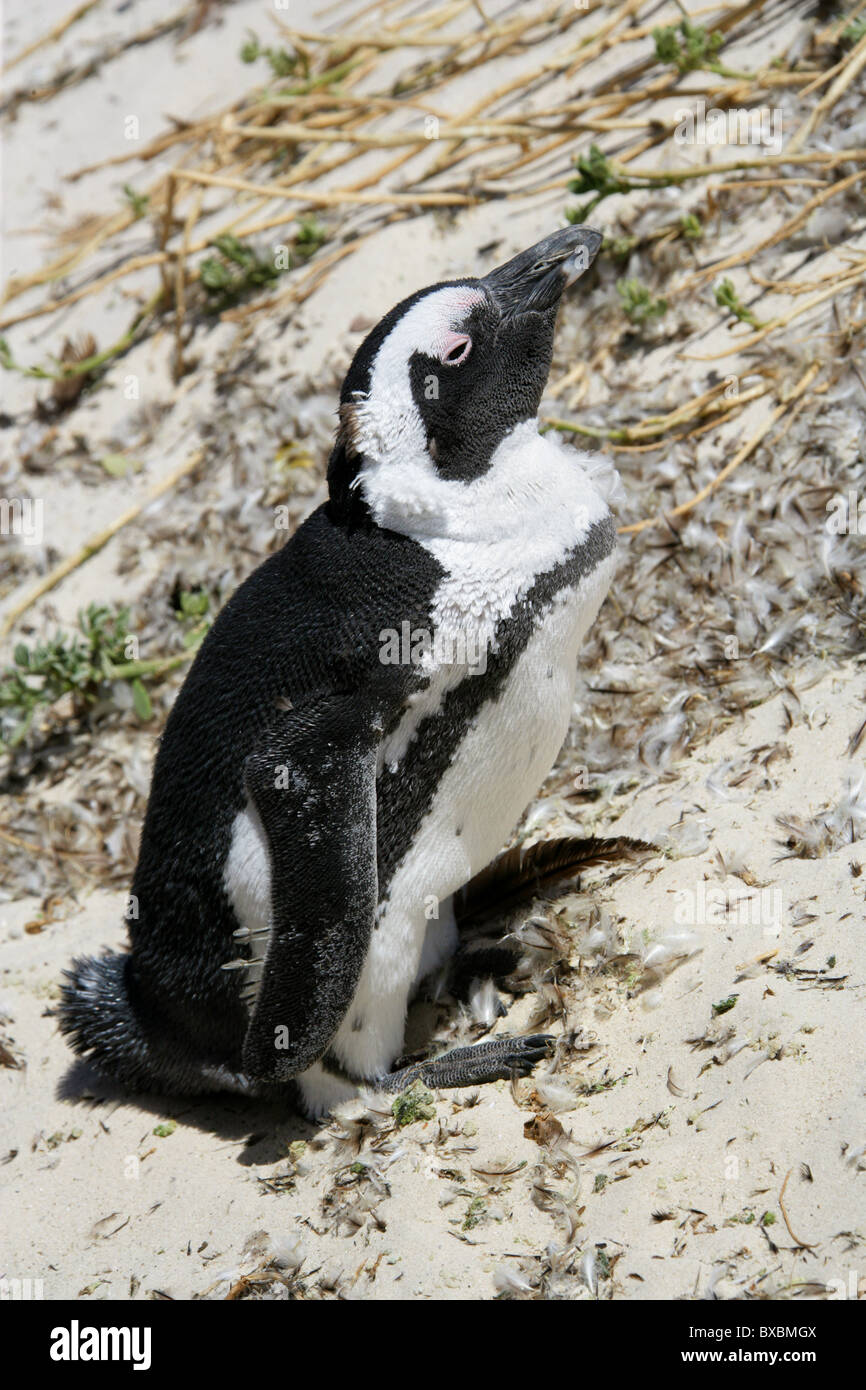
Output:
(313, 783)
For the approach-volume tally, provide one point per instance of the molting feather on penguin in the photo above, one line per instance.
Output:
(315, 807)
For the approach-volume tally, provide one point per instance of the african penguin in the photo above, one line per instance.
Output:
(366, 722)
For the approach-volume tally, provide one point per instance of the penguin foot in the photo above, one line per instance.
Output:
(499, 1059)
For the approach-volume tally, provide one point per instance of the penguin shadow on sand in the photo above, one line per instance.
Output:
(261, 1129)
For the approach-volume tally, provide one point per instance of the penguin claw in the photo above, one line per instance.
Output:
(499, 1059)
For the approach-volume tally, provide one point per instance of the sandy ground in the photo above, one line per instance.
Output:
(682, 1126)
(705, 1135)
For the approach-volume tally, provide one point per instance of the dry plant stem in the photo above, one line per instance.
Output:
(657, 425)
(180, 286)
(96, 543)
(803, 1244)
(63, 264)
(128, 268)
(74, 77)
(792, 225)
(329, 200)
(305, 135)
(488, 100)
(83, 855)
(742, 454)
(843, 283)
(57, 32)
(155, 147)
(829, 158)
(854, 64)
(165, 232)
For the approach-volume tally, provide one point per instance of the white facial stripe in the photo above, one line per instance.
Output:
(427, 327)
(388, 422)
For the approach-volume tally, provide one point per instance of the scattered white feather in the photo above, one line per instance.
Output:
(510, 1281)
(589, 1270)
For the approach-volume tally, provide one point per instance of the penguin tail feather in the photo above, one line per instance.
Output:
(98, 1020)
(521, 876)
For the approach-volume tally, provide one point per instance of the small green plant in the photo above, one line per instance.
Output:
(601, 1182)
(193, 603)
(282, 62)
(310, 236)
(727, 298)
(724, 1006)
(194, 613)
(599, 176)
(166, 1128)
(746, 1217)
(84, 666)
(620, 247)
(638, 302)
(475, 1213)
(416, 1103)
(61, 666)
(237, 269)
(596, 175)
(689, 47)
(853, 32)
(690, 227)
(137, 201)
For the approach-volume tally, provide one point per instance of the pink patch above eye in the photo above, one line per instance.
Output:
(455, 349)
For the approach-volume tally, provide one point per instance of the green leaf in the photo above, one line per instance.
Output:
(194, 603)
(637, 301)
(141, 700)
(137, 201)
(233, 249)
(691, 227)
(116, 465)
(725, 1005)
(727, 298)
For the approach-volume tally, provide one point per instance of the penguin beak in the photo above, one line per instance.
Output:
(532, 282)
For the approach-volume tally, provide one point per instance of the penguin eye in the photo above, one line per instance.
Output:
(456, 350)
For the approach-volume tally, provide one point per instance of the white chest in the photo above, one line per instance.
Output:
(507, 751)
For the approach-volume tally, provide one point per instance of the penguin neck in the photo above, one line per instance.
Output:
(533, 486)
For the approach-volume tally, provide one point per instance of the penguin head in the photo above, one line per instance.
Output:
(442, 381)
